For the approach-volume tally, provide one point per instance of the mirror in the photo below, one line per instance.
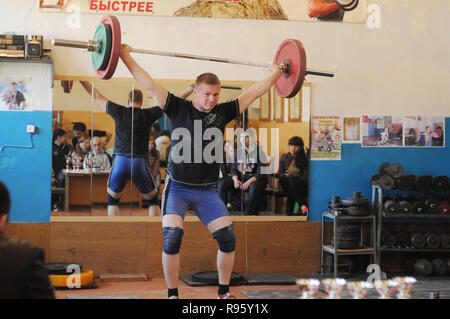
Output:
(269, 123)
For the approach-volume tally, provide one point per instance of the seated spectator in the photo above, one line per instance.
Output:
(163, 146)
(153, 165)
(81, 149)
(293, 176)
(247, 172)
(97, 156)
(60, 149)
(22, 265)
(225, 187)
(79, 129)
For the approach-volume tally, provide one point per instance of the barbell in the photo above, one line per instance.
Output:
(105, 48)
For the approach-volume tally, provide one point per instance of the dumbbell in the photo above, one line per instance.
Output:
(432, 205)
(433, 240)
(418, 240)
(440, 183)
(388, 239)
(391, 207)
(419, 208)
(440, 267)
(423, 267)
(445, 240)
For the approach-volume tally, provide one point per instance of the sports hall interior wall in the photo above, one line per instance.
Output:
(400, 68)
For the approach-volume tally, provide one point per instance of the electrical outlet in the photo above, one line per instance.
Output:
(31, 129)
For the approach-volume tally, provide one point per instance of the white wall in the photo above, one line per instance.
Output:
(401, 68)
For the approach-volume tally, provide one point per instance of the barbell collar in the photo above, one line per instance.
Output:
(90, 45)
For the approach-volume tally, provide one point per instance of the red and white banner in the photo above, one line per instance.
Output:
(295, 10)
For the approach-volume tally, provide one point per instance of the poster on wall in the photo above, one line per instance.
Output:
(382, 131)
(351, 130)
(326, 137)
(353, 11)
(424, 131)
(16, 94)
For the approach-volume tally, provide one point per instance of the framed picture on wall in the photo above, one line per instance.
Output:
(16, 94)
(264, 107)
(278, 102)
(295, 108)
(424, 131)
(352, 131)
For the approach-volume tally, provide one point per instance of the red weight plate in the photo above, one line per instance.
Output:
(114, 24)
(288, 85)
(438, 132)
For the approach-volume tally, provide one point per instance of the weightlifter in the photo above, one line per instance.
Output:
(191, 182)
(123, 150)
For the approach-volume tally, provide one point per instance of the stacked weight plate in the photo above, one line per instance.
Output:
(348, 236)
(357, 205)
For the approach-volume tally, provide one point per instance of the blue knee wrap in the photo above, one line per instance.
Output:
(225, 238)
(113, 201)
(172, 239)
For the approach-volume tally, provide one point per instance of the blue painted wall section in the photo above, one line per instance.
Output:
(24, 168)
(358, 164)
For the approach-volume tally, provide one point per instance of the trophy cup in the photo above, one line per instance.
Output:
(94, 163)
(334, 287)
(405, 285)
(77, 165)
(307, 287)
(359, 289)
(386, 288)
(68, 162)
(88, 161)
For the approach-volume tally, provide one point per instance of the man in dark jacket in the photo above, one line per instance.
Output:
(22, 270)
(248, 174)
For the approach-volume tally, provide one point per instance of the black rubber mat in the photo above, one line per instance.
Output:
(270, 279)
(211, 278)
(195, 279)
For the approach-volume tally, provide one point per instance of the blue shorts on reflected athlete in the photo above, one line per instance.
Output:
(205, 202)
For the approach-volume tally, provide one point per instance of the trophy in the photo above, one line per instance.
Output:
(68, 162)
(334, 287)
(307, 287)
(386, 288)
(88, 161)
(94, 163)
(359, 289)
(77, 165)
(405, 285)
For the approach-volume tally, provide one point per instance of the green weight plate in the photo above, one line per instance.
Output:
(103, 35)
(114, 24)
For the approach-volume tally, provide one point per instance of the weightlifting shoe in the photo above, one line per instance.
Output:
(226, 296)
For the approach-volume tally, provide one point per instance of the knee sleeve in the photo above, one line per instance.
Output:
(113, 201)
(172, 240)
(225, 238)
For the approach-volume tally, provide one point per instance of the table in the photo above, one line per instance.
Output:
(78, 189)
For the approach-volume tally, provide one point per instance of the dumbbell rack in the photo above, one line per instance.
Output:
(331, 248)
(377, 206)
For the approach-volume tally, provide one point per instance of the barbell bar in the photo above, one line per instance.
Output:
(95, 46)
(105, 48)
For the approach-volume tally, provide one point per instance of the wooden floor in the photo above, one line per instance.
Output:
(157, 289)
